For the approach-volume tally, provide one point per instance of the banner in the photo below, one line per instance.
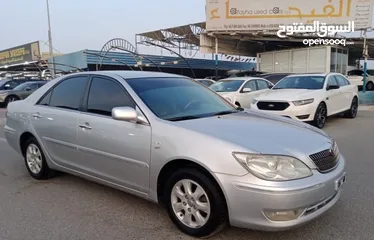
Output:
(255, 15)
(20, 54)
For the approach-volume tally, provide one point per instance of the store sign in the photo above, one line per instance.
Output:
(254, 15)
(20, 54)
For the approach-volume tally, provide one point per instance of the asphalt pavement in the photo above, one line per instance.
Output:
(68, 207)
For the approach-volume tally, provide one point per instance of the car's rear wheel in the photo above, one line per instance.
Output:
(35, 160)
(195, 203)
(352, 112)
(369, 86)
(321, 116)
(10, 99)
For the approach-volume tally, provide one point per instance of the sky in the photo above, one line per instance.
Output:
(89, 24)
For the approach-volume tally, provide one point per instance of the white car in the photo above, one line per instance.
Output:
(241, 90)
(356, 77)
(310, 98)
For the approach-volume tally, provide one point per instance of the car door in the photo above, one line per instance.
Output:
(55, 119)
(115, 151)
(333, 96)
(245, 98)
(346, 92)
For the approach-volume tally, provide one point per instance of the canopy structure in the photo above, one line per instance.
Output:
(195, 37)
(181, 37)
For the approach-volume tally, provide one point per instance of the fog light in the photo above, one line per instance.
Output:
(284, 215)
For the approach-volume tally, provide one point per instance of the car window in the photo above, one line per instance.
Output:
(301, 82)
(68, 93)
(341, 80)
(33, 86)
(261, 84)
(40, 85)
(332, 81)
(250, 84)
(226, 85)
(12, 84)
(173, 98)
(46, 99)
(274, 78)
(355, 73)
(206, 83)
(105, 94)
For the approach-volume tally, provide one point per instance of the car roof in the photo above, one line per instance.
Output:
(134, 74)
(311, 74)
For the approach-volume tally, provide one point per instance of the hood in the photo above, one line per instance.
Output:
(5, 91)
(287, 94)
(262, 133)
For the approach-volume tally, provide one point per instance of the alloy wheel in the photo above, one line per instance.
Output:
(34, 158)
(321, 116)
(190, 203)
(354, 107)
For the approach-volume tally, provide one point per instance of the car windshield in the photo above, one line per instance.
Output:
(22, 86)
(226, 85)
(179, 98)
(301, 82)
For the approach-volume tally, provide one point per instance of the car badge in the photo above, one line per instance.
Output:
(271, 105)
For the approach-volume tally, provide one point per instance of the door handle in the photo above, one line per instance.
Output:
(36, 115)
(85, 126)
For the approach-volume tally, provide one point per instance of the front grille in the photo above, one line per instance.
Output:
(325, 160)
(273, 106)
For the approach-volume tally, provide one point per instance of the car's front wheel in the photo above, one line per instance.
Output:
(195, 203)
(35, 160)
(10, 99)
(321, 116)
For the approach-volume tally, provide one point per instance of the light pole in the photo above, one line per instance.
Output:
(50, 42)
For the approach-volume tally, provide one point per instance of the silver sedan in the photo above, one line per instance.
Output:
(168, 139)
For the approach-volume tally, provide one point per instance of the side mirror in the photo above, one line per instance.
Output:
(28, 89)
(7, 86)
(246, 90)
(127, 114)
(332, 87)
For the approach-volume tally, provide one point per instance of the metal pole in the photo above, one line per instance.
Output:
(50, 42)
(365, 53)
(216, 58)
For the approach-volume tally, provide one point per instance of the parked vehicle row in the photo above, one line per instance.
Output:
(14, 90)
(171, 140)
(356, 77)
(304, 97)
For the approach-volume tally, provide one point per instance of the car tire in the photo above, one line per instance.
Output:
(10, 99)
(352, 112)
(320, 116)
(35, 161)
(369, 86)
(209, 206)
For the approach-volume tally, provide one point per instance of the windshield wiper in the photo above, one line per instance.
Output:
(174, 119)
(226, 112)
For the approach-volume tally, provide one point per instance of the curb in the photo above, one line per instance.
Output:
(366, 108)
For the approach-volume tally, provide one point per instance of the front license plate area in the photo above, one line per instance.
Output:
(339, 183)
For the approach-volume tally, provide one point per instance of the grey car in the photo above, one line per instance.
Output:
(20, 92)
(170, 140)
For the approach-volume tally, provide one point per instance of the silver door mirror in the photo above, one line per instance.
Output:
(127, 114)
(246, 90)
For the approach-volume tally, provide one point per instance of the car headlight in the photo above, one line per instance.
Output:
(228, 99)
(254, 101)
(273, 167)
(303, 102)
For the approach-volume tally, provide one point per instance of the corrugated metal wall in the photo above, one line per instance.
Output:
(81, 60)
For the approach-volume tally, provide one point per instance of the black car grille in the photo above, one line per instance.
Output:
(325, 160)
(273, 106)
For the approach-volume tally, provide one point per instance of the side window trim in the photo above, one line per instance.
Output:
(87, 93)
(58, 83)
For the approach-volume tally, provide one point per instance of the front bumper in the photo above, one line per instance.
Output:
(303, 113)
(248, 201)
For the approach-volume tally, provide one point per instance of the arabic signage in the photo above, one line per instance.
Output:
(249, 15)
(20, 54)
